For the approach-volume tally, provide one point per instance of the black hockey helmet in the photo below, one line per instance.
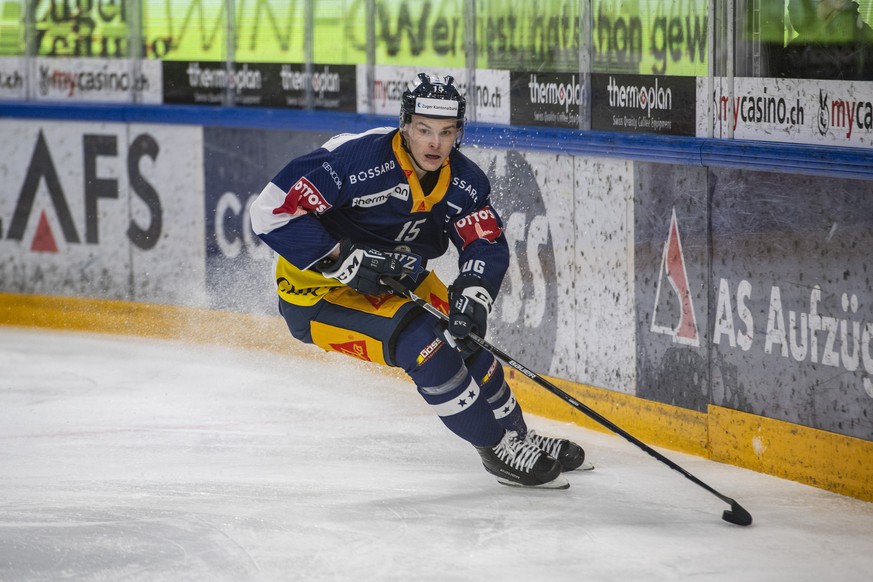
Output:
(435, 97)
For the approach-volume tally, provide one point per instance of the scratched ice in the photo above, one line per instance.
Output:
(133, 459)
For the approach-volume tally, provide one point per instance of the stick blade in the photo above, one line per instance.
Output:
(737, 515)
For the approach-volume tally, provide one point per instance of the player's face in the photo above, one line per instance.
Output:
(430, 141)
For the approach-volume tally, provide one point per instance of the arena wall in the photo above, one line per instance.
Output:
(710, 299)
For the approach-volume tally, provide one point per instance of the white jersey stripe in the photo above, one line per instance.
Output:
(338, 140)
(263, 219)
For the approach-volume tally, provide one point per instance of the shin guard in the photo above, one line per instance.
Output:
(445, 384)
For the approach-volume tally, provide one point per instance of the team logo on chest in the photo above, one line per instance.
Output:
(363, 175)
(400, 191)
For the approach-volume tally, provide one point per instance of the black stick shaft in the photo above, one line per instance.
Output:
(737, 515)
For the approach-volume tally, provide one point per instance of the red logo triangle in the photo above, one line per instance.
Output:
(439, 303)
(356, 349)
(377, 300)
(678, 276)
(44, 240)
(673, 270)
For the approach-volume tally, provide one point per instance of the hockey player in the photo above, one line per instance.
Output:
(381, 204)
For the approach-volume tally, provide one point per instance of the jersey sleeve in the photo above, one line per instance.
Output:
(477, 233)
(285, 215)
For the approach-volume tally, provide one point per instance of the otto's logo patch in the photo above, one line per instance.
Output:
(481, 224)
(302, 198)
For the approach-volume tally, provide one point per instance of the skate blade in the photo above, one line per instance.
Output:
(585, 466)
(558, 482)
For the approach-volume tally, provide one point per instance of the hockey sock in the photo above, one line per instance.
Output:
(462, 409)
(444, 382)
(488, 373)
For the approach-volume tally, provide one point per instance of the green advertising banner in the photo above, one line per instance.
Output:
(188, 29)
(11, 27)
(79, 28)
(429, 33)
(537, 36)
(541, 35)
(650, 37)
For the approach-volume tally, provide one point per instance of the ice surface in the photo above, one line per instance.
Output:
(131, 459)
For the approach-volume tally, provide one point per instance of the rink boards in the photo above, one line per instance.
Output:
(715, 310)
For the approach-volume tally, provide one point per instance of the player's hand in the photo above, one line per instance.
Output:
(469, 306)
(361, 267)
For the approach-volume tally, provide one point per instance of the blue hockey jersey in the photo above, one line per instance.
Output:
(363, 187)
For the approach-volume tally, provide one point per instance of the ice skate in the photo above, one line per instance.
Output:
(569, 454)
(519, 463)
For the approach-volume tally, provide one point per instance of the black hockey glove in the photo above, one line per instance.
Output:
(361, 267)
(469, 306)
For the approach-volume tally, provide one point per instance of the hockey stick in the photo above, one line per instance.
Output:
(737, 514)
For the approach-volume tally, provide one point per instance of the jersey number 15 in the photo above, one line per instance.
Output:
(410, 230)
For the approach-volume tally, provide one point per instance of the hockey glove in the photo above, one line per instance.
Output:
(469, 306)
(361, 267)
